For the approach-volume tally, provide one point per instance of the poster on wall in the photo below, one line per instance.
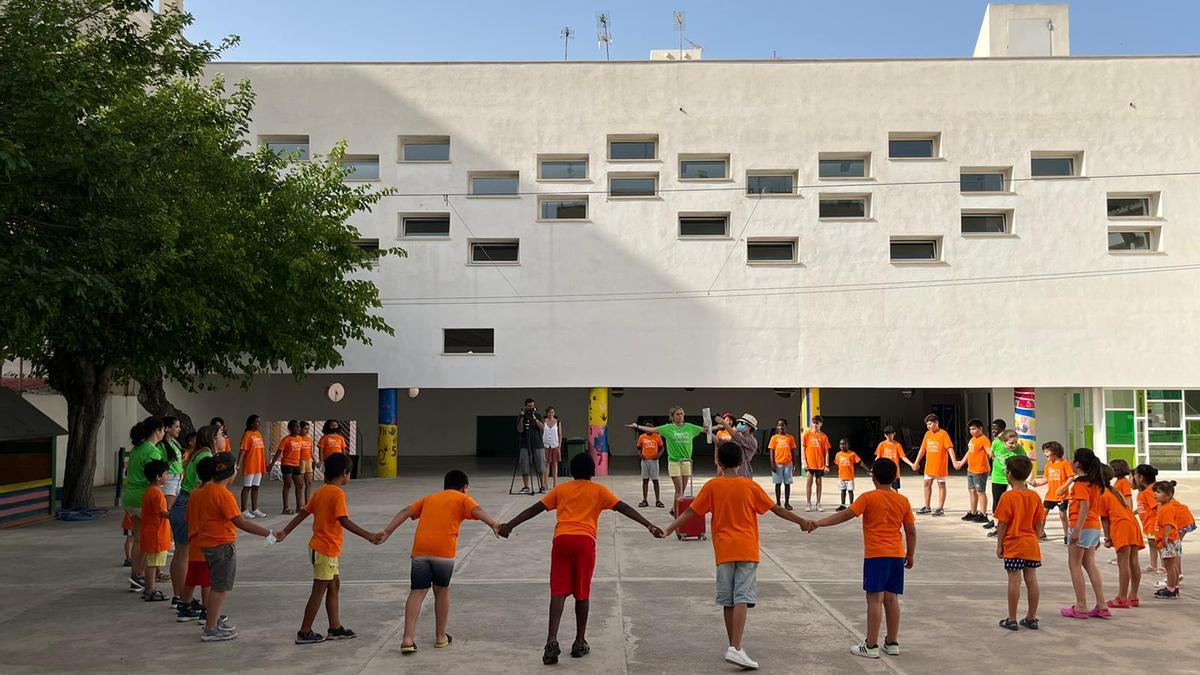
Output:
(1025, 419)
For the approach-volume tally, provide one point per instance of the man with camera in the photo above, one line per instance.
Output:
(531, 448)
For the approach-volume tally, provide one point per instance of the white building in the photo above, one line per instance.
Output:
(903, 234)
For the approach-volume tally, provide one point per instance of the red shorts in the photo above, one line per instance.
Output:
(572, 561)
(197, 574)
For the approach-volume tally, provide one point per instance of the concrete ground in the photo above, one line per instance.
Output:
(66, 607)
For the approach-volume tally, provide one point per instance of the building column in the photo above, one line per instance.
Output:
(1025, 421)
(810, 405)
(388, 430)
(597, 439)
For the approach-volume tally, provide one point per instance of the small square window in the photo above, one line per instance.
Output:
(980, 222)
(632, 185)
(984, 180)
(633, 147)
(425, 225)
(289, 147)
(362, 167)
(907, 250)
(1132, 241)
(704, 225)
(839, 165)
(771, 251)
(1055, 164)
(495, 251)
(562, 167)
(703, 167)
(565, 207)
(770, 183)
(495, 184)
(468, 340)
(424, 148)
(913, 145)
(844, 206)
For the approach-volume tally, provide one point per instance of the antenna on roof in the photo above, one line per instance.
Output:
(680, 24)
(566, 34)
(603, 37)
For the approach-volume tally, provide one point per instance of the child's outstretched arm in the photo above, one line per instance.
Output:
(293, 524)
(350, 525)
(804, 523)
(627, 511)
(835, 518)
(507, 528)
(246, 526)
(910, 544)
(687, 515)
(487, 519)
(404, 514)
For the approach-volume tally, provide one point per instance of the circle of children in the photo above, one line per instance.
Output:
(1095, 504)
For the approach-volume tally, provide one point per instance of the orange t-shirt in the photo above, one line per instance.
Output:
(256, 457)
(977, 458)
(293, 450)
(1083, 492)
(1123, 528)
(193, 524)
(1171, 514)
(735, 504)
(438, 517)
(1022, 512)
(327, 505)
(890, 450)
(156, 530)
(650, 445)
(1123, 486)
(331, 444)
(215, 509)
(783, 446)
(937, 453)
(884, 513)
(306, 449)
(816, 449)
(1148, 511)
(127, 522)
(579, 504)
(845, 463)
(1057, 472)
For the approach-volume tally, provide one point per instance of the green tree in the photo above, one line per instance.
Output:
(141, 237)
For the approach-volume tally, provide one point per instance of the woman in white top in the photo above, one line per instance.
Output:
(552, 439)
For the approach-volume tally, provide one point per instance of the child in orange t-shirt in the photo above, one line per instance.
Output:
(155, 536)
(979, 452)
(1170, 520)
(885, 513)
(1057, 473)
(1019, 522)
(782, 447)
(330, 515)
(816, 459)
(845, 460)
(888, 448)
(289, 454)
(1083, 535)
(736, 503)
(1122, 534)
(579, 503)
(252, 462)
(937, 450)
(435, 543)
(1144, 477)
(650, 447)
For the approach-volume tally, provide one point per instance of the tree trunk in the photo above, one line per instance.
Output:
(153, 397)
(85, 385)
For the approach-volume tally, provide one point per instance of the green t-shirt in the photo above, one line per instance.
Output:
(174, 466)
(135, 473)
(679, 440)
(190, 479)
(1000, 454)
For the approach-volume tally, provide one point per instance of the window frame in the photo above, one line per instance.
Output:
(865, 157)
(633, 175)
(1008, 223)
(1154, 233)
(565, 157)
(472, 175)
(468, 353)
(423, 139)
(587, 208)
(793, 241)
(378, 169)
(633, 138)
(865, 197)
(934, 137)
(1153, 205)
(792, 173)
(1076, 157)
(708, 215)
(492, 263)
(402, 233)
(705, 157)
(1005, 179)
(935, 239)
(266, 140)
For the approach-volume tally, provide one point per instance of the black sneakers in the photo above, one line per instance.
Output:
(580, 649)
(924, 510)
(185, 613)
(309, 638)
(1167, 594)
(550, 655)
(340, 633)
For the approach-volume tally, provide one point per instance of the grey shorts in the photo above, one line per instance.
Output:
(539, 460)
(737, 583)
(847, 485)
(429, 571)
(222, 566)
(649, 469)
(978, 481)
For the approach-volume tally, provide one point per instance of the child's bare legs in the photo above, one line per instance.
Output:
(1153, 556)
(676, 482)
(245, 494)
(1089, 564)
(928, 491)
(657, 493)
(179, 569)
(787, 494)
(556, 609)
(553, 474)
(1075, 567)
(1135, 573)
(875, 617)
(581, 617)
(332, 608)
(891, 608)
(941, 494)
(1014, 593)
(212, 606)
(412, 612)
(135, 549)
(735, 624)
(1173, 570)
(287, 486)
(441, 611)
(1034, 592)
(151, 577)
(645, 488)
(1062, 518)
(298, 484)
(319, 588)
(308, 481)
(1123, 573)
(808, 490)
(129, 548)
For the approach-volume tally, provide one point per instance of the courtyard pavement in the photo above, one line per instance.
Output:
(66, 608)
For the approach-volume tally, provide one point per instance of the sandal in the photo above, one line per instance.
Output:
(788, 507)
(1119, 603)
(1100, 613)
(1031, 624)
(643, 504)
(408, 649)
(156, 596)
(1072, 613)
(1008, 623)
(1134, 602)
(443, 645)
(580, 649)
(659, 505)
(550, 654)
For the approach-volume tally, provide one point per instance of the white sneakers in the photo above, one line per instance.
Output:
(861, 649)
(248, 515)
(739, 657)
(258, 514)
(891, 648)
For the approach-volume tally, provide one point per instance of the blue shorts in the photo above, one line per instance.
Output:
(883, 575)
(178, 513)
(1089, 538)
(782, 474)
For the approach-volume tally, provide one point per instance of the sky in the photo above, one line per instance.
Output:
(528, 30)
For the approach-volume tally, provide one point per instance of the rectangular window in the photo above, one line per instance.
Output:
(771, 251)
(843, 206)
(563, 167)
(1055, 165)
(633, 147)
(842, 167)
(495, 184)
(916, 250)
(632, 185)
(985, 223)
(771, 183)
(425, 225)
(362, 167)
(563, 208)
(368, 244)
(704, 225)
(469, 340)
(289, 147)
(983, 181)
(703, 168)
(1131, 241)
(425, 148)
(913, 145)
(495, 252)
(1129, 207)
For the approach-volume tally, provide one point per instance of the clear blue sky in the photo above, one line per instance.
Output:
(528, 30)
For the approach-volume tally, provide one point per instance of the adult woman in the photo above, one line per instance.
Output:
(552, 439)
(144, 436)
(206, 439)
(174, 456)
(678, 435)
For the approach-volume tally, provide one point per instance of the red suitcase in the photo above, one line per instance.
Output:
(694, 528)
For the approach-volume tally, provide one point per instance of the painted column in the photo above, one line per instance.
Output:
(1025, 420)
(810, 404)
(387, 433)
(597, 439)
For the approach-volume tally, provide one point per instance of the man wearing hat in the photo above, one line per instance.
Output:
(742, 434)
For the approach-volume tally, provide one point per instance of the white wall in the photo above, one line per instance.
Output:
(120, 413)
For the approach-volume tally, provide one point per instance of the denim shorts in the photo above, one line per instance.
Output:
(1089, 538)
(782, 474)
(179, 527)
(978, 481)
(883, 575)
(429, 571)
(737, 584)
